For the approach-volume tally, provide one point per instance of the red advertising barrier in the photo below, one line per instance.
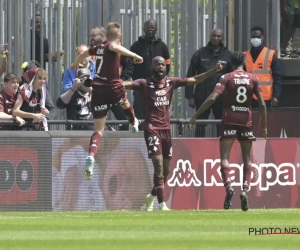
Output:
(195, 179)
(19, 178)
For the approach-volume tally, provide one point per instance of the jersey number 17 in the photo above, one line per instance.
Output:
(100, 59)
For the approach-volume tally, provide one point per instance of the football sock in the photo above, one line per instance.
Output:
(129, 114)
(162, 204)
(246, 176)
(152, 197)
(94, 144)
(159, 188)
(225, 176)
(153, 192)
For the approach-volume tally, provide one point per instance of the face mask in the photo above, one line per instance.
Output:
(256, 42)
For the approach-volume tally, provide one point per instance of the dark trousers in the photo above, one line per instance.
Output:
(119, 115)
(217, 109)
(289, 22)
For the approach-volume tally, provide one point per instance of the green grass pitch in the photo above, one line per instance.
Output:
(203, 229)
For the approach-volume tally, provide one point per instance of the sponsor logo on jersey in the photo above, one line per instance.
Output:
(239, 109)
(161, 101)
(161, 92)
(229, 132)
(100, 108)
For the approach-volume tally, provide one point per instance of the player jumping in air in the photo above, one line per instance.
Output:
(157, 91)
(236, 121)
(107, 87)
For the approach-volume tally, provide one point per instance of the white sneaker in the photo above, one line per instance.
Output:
(135, 127)
(164, 208)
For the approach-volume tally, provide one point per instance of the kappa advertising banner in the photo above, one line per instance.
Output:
(122, 175)
(25, 176)
(195, 179)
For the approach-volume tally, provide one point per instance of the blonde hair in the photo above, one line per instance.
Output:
(113, 30)
(41, 74)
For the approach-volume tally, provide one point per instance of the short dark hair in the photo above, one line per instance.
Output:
(150, 21)
(258, 28)
(237, 59)
(11, 76)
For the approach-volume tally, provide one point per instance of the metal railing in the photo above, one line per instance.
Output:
(179, 127)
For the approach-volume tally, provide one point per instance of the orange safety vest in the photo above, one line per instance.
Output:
(262, 69)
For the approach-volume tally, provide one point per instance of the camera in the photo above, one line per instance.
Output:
(84, 75)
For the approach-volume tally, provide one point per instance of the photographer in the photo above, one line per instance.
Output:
(75, 98)
(77, 101)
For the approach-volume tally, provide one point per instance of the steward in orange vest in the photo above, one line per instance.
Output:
(264, 63)
(262, 69)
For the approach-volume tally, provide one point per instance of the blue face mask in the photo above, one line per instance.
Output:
(256, 42)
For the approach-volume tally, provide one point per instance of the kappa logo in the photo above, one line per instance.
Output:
(184, 175)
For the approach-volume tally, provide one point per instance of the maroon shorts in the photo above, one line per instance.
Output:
(231, 132)
(159, 142)
(103, 96)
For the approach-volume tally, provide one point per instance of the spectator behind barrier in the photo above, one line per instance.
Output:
(30, 103)
(75, 99)
(26, 66)
(205, 59)
(37, 22)
(147, 46)
(8, 96)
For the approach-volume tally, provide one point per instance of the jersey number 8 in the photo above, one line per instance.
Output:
(241, 94)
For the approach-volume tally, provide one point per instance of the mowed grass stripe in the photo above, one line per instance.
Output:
(204, 229)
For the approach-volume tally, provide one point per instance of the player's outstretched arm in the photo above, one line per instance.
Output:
(202, 77)
(263, 114)
(125, 52)
(79, 59)
(127, 85)
(207, 103)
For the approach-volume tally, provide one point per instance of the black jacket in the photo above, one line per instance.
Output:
(127, 65)
(148, 50)
(203, 60)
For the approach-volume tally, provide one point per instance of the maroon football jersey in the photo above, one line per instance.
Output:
(7, 102)
(239, 87)
(157, 98)
(107, 64)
